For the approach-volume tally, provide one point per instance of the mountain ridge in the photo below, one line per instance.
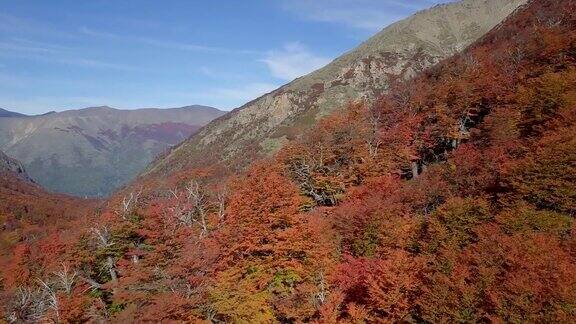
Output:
(398, 52)
(7, 113)
(94, 150)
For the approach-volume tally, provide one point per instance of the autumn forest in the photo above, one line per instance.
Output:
(451, 198)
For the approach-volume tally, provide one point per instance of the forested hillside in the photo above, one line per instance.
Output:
(33, 222)
(450, 199)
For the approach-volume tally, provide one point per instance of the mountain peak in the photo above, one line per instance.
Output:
(399, 52)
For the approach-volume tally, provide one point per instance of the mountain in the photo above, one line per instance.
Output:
(93, 151)
(449, 199)
(457, 205)
(22, 200)
(7, 113)
(396, 53)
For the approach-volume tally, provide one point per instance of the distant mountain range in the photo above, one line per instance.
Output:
(92, 151)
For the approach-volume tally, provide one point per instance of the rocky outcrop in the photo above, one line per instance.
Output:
(10, 165)
(399, 51)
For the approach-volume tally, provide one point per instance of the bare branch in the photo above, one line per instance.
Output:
(66, 278)
(221, 203)
(51, 297)
(322, 294)
(102, 236)
(28, 305)
(104, 240)
(93, 284)
(129, 203)
(198, 200)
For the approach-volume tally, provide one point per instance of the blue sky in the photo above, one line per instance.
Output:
(68, 54)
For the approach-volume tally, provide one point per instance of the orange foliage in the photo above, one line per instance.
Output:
(451, 199)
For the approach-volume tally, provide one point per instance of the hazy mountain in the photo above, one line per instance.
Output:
(93, 151)
(398, 52)
(7, 113)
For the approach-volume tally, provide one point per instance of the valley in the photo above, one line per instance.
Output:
(426, 176)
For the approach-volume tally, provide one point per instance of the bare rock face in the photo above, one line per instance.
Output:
(93, 151)
(10, 165)
(399, 51)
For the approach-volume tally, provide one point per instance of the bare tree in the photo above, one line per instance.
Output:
(322, 295)
(28, 305)
(470, 60)
(516, 54)
(174, 192)
(31, 305)
(221, 201)
(66, 278)
(102, 236)
(103, 239)
(303, 170)
(415, 169)
(129, 203)
(93, 283)
(373, 140)
(51, 297)
(555, 21)
(194, 205)
(197, 198)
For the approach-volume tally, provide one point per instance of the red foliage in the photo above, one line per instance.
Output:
(450, 200)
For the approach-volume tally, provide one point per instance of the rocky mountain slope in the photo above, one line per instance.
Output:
(10, 165)
(396, 53)
(93, 151)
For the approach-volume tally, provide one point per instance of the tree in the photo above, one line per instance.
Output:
(268, 255)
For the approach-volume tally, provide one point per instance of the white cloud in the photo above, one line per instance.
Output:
(179, 46)
(90, 63)
(11, 46)
(42, 56)
(95, 33)
(371, 15)
(16, 44)
(293, 61)
(54, 53)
